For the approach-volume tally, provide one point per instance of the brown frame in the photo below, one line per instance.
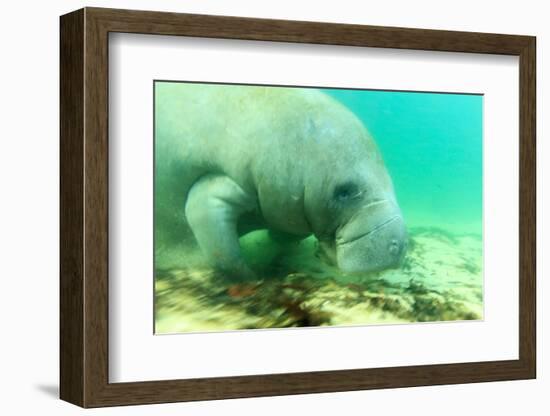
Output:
(84, 207)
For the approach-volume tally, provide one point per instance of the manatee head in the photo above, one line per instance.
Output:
(365, 231)
(370, 234)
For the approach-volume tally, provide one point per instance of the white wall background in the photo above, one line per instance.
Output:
(29, 206)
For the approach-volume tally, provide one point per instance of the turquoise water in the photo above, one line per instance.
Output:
(432, 147)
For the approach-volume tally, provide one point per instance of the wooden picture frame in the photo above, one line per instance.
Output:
(84, 207)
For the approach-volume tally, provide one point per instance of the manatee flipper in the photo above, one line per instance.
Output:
(214, 205)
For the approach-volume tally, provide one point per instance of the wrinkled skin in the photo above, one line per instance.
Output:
(295, 161)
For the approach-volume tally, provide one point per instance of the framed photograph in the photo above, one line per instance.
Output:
(254, 207)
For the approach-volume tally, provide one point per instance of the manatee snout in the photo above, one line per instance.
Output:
(375, 239)
(381, 248)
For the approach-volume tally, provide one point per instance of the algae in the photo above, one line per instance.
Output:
(440, 280)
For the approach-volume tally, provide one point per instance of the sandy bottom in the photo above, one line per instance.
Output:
(441, 280)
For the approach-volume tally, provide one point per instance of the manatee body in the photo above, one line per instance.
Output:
(230, 159)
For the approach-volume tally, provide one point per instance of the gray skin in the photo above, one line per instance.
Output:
(295, 161)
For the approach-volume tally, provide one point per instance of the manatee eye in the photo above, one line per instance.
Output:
(346, 191)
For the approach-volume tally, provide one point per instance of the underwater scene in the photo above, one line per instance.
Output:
(279, 207)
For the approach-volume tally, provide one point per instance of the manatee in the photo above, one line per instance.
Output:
(232, 159)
